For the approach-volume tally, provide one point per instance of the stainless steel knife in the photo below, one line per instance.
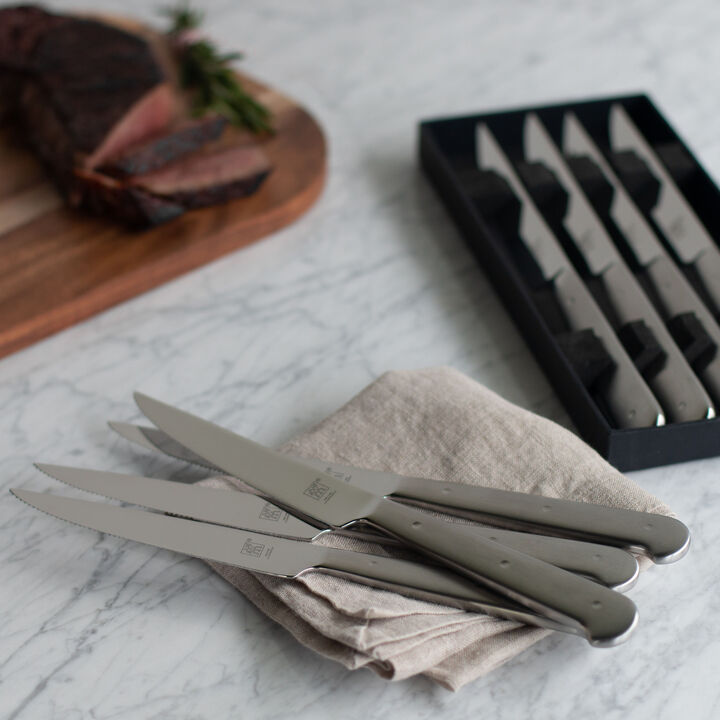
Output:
(676, 386)
(674, 291)
(627, 395)
(673, 214)
(663, 539)
(610, 566)
(282, 557)
(602, 615)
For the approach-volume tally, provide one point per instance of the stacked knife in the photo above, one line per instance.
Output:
(611, 242)
(548, 562)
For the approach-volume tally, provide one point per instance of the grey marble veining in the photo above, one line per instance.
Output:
(272, 338)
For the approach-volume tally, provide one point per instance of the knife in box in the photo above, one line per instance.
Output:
(628, 396)
(602, 615)
(674, 291)
(610, 566)
(663, 539)
(673, 214)
(282, 557)
(675, 384)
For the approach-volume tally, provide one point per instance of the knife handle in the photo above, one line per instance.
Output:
(604, 616)
(677, 296)
(675, 385)
(662, 538)
(423, 582)
(628, 395)
(611, 566)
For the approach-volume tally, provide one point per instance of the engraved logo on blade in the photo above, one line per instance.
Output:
(318, 490)
(338, 475)
(271, 513)
(252, 548)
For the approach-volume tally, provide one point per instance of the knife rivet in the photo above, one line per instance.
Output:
(504, 563)
(597, 556)
(445, 491)
(546, 508)
(648, 526)
(596, 605)
(417, 524)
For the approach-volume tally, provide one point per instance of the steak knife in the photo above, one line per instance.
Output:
(629, 398)
(602, 615)
(663, 539)
(609, 566)
(674, 291)
(673, 214)
(282, 557)
(675, 385)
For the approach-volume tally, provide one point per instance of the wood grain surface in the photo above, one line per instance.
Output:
(59, 266)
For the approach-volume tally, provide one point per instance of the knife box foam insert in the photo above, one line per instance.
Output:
(576, 363)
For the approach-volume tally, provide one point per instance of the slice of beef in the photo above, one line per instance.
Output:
(215, 174)
(155, 152)
(212, 175)
(109, 197)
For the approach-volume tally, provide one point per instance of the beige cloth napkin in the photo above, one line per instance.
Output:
(440, 424)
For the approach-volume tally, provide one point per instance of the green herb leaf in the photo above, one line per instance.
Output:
(206, 73)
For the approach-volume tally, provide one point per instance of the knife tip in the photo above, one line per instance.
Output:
(51, 470)
(23, 495)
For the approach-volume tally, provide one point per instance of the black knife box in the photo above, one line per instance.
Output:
(572, 363)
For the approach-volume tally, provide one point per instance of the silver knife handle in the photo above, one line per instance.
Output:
(628, 396)
(677, 297)
(663, 538)
(610, 566)
(428, 583)
(708, 268)
(676, 385)
(604, 616)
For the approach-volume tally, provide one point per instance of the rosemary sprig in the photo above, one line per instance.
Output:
(207, 74)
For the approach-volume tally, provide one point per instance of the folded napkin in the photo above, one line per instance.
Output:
(440, 424)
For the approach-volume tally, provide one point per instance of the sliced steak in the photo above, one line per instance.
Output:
(215, 174)
(101, 106)
(210, 176)
(155, 152)
(110, 197)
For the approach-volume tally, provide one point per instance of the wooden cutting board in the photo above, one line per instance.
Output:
(59, 266)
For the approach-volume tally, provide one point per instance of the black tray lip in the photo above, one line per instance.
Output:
(631, 448)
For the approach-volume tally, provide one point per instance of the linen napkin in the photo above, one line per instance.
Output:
(440, 424)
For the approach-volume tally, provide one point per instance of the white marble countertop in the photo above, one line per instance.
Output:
(272, 338)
